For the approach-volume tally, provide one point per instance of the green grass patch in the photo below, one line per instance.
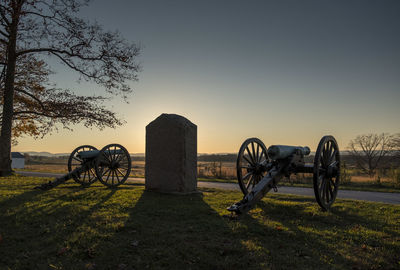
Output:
(71, 227)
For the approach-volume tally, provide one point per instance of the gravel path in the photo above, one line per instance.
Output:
(384, 197)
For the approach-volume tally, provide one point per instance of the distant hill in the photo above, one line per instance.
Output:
(48, 154)
(202, 157)
(45, 154)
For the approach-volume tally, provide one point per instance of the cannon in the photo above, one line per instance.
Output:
(260, 169)
(111, 166)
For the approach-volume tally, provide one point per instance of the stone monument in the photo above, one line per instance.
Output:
(171, 155)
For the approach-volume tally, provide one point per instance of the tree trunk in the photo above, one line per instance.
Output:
(371, 170)
(8, 100)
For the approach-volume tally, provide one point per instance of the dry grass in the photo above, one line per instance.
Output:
(54, 168)
(137, 168)
(226, 171)
(367, 179)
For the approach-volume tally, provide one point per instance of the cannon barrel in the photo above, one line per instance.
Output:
(88, 154)
(276, 152)
(95, 153)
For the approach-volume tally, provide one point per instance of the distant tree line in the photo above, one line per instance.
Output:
(30, 160)
(217, 158)
(201, 158)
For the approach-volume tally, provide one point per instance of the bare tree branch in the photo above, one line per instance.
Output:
(369, 150)
(30, 29)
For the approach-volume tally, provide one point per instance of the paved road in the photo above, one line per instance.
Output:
(384, 197)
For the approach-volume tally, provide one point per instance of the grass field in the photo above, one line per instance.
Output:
(128, 228)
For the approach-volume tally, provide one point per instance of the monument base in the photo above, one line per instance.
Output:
(196, 192)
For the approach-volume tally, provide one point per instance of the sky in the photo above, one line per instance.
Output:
(287, 72)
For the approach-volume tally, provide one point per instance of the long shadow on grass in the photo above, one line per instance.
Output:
(18, 191)
(178, 232)
(21, 189)
(293, 237)
(30, 194)
(38, 227)
(120, 228)
(312, 239)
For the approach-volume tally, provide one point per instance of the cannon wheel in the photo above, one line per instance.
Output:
(326, 172)
(74, 161)
(113, 165)
(250, 164)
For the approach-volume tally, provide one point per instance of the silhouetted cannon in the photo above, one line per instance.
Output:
(259, 170)
(111, 166)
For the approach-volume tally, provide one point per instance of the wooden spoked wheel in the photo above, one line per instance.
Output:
(326, 176)
(113, 165)
(75, 161)
(251, 164)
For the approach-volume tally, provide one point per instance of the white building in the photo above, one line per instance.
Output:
(17, 160)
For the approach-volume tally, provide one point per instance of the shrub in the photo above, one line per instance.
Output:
(395, 176)
(345, 176)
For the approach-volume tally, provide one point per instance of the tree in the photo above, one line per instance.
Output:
(38, 106)
(369, 150)
(38, 29)
(396, 146)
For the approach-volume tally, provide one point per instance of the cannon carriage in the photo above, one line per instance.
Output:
(260, 169)
(111, 166)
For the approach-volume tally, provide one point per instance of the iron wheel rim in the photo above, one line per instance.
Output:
(113, 165)
(250, 164)
(88, 177)
(326, 175)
